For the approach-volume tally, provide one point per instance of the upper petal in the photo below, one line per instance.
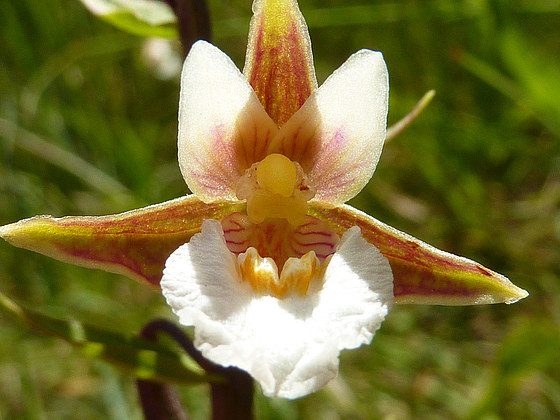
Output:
(223, 128)
(289, 345)
(279, 61)
(338, 134)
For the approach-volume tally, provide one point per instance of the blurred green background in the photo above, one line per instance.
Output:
(478, 174)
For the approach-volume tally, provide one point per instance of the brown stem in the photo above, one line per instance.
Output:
(193, 21)
(231, 400)
(159, 401)
(234, 399)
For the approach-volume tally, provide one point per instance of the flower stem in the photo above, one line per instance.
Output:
(193, 21)
(397, 128)
(159, 401)
(231, 399)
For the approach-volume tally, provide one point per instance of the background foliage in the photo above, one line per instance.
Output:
(88, 126)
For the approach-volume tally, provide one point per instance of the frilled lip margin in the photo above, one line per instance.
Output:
(290, 345)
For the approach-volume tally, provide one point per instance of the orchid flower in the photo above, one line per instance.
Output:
(276, 274)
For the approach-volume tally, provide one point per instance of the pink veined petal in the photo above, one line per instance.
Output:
(279, 60)
(278, 239)
(223, 128)
(338, 134)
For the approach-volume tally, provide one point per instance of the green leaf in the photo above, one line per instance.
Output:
(132, 355)
(530, 350)
(139, 17)
(518, 355)
(537, 74)
(534, 84)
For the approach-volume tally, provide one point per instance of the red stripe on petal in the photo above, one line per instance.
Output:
(279, 62)
(135, 243)
(278, 239)
(422, 273)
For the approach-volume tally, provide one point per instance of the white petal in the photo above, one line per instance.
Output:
(358, 291)
(223, 128)
(290, 346)
(338, 134)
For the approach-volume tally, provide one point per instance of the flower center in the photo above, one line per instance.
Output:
(275, 187)
(277, 174)
(278, 258)
(262, 273)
